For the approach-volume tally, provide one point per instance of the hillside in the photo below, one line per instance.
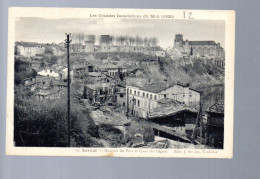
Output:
(144, 68)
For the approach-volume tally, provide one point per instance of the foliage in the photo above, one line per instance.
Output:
(44, 123)
(48, 50)
(22, 71)
(111, 134)
(140, 127)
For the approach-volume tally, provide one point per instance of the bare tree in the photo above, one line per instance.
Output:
(122, 40)
(131, 41)
(127, 40)
(154, 41)
(138, 40)
(113, 39)
(146, 42)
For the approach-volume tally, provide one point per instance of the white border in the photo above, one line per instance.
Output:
(227, 15)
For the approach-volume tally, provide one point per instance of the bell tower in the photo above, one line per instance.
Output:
(178, 42)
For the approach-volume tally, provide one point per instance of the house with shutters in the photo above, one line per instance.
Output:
(141, 100)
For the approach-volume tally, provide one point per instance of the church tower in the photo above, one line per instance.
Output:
(178, 42)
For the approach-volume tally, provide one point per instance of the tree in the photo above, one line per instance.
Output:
(146, 42)
(43, 123)
(131, 41)
(122, 40)
(113, 39)
(154, 41)
(138, 40)
(48, 50)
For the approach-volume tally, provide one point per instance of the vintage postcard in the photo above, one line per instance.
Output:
(120, 82)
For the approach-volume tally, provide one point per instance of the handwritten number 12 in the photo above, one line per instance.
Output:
(189, 15)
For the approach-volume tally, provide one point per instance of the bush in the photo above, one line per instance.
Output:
(111, 134)
(44, 123)
(141, 127)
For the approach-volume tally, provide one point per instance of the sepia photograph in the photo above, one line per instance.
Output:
(120, 82)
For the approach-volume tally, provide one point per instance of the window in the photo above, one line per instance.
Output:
(121, 95)
(130, 91)
(184, 95)
(164, 95)
(147, 95)
(135, 92)
(138, 93)
(151, 96)
(155, 97)
(138, 103)
(143, 94)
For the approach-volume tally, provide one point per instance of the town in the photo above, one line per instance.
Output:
(125, 92)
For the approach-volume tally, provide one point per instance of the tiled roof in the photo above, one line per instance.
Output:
(169, 107)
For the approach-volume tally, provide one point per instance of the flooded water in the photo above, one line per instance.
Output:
(211, 95)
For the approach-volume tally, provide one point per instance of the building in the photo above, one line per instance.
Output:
(105, 43)
(174, 115)
(141, 100)
(156, 51)
(99, 91)
(77, 47)
(215, 125)
(90, 43)
(81, 68)
(29, 49)
(113, 70)
(49, 73)
(220, 62)
(64, 74)
(210, 49)
(45, 87)
(121, 97)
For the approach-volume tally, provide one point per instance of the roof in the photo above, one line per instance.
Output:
(158, 87)
(94, 86)
(154, 87)
(29, 45)
(60, 83)
(202, 43)
(218, 107)
(168, 107)
(109, 66)
(48, 73)
(47, 93)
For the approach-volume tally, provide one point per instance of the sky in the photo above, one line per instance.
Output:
(30, 29)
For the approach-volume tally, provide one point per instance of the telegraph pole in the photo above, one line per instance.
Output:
(68, 84)
(199, 122)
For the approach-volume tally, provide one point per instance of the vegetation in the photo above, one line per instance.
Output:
(44, 123)
(140, 127)
(22, 71)
(111, 134)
